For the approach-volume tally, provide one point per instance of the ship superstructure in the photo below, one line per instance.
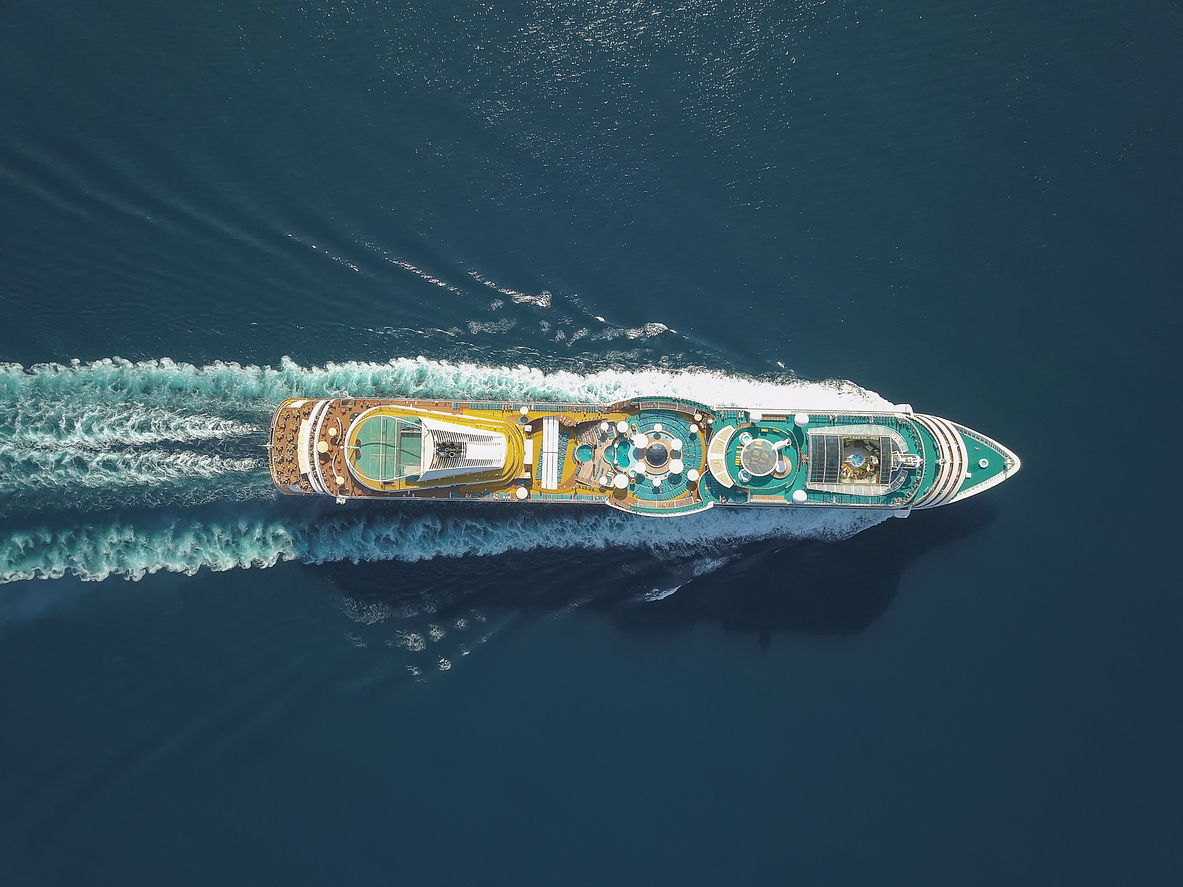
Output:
(647, 455)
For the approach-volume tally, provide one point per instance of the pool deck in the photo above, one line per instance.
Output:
(647, 455)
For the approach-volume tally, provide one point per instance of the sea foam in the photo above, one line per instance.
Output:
(222, 389)
(187, 542)
(173, 437)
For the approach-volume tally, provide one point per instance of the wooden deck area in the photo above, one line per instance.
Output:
(645, 455)
(309, 454)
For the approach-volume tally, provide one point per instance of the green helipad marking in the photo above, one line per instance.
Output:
(976, 451)
(388, 448)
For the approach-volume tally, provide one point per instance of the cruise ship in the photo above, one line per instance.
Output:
(657, 456)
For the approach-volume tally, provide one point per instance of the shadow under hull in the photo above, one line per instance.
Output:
(758, 588)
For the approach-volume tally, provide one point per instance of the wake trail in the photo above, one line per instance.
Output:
(68, 426)
(265, 536)
(118, 436)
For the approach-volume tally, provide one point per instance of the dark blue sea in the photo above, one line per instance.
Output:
(205, 207)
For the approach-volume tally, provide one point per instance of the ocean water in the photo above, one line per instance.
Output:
(208, 207)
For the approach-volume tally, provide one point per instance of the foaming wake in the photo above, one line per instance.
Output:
(114, 433)
(114, 397)
(69, 469)
(56, 426)
(264, 536)
(118, 435)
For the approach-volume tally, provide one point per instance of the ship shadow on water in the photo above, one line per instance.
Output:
(759, 588)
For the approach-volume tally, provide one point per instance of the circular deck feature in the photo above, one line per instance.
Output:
(387, 448)
(661, 451)
(759, 457)
(657, 455)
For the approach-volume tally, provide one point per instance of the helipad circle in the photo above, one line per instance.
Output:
(759, 457)
(657, 455)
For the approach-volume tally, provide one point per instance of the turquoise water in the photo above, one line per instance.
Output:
(206, 209)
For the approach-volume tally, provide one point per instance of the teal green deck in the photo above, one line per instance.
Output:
(673, 487)
(783, 488)
(978, 450)
(382, 448)
(679, 427)
(770, 489)
(891, 461)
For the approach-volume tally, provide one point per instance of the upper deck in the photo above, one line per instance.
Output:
(648, 455)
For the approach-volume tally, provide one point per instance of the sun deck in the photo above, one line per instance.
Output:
(656, 456)
(387, 448)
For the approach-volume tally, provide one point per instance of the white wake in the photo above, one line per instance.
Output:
(86, 438)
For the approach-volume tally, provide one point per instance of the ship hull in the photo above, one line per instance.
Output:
(662, 457)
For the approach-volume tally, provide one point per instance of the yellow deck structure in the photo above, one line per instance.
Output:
(647, 455)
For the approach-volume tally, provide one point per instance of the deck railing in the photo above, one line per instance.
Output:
(534, 408)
